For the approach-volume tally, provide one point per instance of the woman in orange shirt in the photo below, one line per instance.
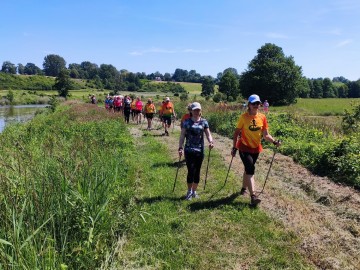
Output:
(149, 112)
(251, 127)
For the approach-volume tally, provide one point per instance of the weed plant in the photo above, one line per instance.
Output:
(315, 147)
(66, 183)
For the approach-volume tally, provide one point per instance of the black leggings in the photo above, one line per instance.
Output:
(249, 160)
(193, 163)
(127, 115)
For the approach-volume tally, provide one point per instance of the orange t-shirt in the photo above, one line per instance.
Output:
(185, 116)
(167, 109)
(149, 108)
(252, 127)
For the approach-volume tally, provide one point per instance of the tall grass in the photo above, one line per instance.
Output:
(66, 181)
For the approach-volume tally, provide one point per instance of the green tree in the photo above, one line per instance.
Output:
(342, 90)
(229, 85)
(63, 83)
(32, 69)
(20, 69)
(53, 64)
(272, 76)
(8, 67)
(328, 89)
(354, 89)
(207, 86)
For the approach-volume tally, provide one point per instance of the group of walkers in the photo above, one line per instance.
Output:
(251, 127)
(135, 108)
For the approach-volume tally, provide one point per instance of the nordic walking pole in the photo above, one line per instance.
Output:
(227, 175)
(177, 171)
(173, 125)
(267, 175)
(207, 168)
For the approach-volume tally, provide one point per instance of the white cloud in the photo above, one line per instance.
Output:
(344, 43)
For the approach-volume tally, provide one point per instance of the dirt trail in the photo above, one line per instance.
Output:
(324, 215)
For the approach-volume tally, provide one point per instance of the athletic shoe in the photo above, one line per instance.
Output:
(254, 200)
(188, 195)
(166, 133)
(195, 195)
(242, 191)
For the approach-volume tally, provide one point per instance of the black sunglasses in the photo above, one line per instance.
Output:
(255, 103)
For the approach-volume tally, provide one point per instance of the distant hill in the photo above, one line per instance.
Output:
(32, 82)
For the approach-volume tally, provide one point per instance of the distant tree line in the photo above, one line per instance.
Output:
(270, 74)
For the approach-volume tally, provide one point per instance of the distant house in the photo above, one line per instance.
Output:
(158, 79)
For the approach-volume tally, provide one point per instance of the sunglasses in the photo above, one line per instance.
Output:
(255, 103)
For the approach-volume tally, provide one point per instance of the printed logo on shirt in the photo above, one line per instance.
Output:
(253, 126)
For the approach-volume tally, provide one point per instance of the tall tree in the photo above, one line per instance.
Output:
(229, 85)
(20, 69)
(63, 83)
(207, 86)
(328, 89)
(53, 64)
(272, 76)
(32, 69)
(354, 89)
(8, 67)
(180, 75)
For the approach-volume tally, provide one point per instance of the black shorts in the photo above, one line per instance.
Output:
(249, 160)
(149, 115)
(137, 111)
(167, 120)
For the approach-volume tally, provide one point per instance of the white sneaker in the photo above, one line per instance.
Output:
(188, 195)
(195, 195)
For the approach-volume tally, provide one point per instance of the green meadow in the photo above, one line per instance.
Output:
(78, 191)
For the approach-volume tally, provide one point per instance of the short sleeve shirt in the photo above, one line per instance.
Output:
(194, 135)
(252, 127)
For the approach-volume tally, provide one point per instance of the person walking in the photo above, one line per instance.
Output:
(127, 109)
(266, 106)
(192, 131)
(138, 110)
(251, 127)
(186, 116)
(167, 112)
(150, 110)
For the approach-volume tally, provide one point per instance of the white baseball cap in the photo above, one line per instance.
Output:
(167, 99)
(254, 98)
(195, 106)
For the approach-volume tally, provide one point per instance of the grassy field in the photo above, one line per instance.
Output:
(88, 195)
(319, 107)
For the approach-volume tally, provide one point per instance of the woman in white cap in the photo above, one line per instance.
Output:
(193, 130)
(251, 127)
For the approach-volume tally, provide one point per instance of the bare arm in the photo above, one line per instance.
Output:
(270, 138)
(209, 137)
(237, 132)
(181, 141)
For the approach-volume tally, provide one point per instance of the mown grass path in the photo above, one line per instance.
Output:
(304, 221)
(218, 233)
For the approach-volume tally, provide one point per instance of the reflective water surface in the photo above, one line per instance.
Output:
(19, 113)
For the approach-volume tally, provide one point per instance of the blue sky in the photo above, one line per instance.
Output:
(203, 35)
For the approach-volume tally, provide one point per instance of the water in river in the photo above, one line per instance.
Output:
(19, 113)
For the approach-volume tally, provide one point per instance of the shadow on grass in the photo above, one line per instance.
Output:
(170, 164)
(158, 199)
(211, 204)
